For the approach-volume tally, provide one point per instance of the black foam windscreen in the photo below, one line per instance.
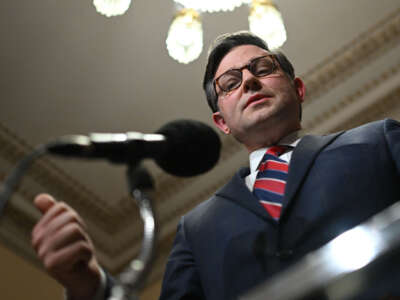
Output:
(193, 148)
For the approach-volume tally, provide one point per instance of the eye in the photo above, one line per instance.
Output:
(263, 66)
(229, 81)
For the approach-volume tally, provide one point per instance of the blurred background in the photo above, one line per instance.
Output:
(66, 69)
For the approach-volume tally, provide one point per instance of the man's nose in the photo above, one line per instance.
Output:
(250, 82)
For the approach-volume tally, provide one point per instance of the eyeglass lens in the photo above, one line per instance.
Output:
(259, 67)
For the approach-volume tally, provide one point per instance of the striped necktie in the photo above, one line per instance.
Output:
(270, 183)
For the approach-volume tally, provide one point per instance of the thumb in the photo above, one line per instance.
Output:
(43, 202)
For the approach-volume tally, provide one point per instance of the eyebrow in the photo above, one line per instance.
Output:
(248, 62)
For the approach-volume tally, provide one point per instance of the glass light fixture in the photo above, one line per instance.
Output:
(185, 36)
(265, 20)
(111, 8)
(212, 5)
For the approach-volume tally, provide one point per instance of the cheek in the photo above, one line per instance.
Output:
(228, 105)
(286, 93)
(278, 83)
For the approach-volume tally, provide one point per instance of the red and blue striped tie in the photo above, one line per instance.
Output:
(270, 183)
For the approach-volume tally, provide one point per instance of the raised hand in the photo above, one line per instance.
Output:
(62, 243)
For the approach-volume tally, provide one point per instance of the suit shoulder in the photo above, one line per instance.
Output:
(375, 127)
(378, 124)
(217, 201)
(201, 208)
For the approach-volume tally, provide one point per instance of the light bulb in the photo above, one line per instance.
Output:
(265, 21)
(111, 8)
(212, 5)
(185, 36)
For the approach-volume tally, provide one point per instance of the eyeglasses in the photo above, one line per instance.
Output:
(232, 79)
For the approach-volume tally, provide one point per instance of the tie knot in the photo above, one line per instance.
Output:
(276, 150)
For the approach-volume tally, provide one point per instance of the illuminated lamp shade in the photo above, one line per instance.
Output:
(111, 8)
(185, 36)
(266, 21)
(212, 5)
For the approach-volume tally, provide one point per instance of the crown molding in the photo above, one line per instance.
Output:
(367, 97)
(351, 58)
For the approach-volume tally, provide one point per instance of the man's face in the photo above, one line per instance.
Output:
(262, 110)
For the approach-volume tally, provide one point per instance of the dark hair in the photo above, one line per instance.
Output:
(224, 44)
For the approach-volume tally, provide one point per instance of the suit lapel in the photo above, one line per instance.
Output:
(302, 159)
(237, 191)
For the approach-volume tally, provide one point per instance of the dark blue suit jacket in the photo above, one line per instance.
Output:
(229, 243)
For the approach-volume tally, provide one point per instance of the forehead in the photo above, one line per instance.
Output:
(238, 57)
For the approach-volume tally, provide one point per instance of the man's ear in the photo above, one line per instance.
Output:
(219, 121)
(300, 88)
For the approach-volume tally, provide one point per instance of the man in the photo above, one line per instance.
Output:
(230, 243)
(248, 231)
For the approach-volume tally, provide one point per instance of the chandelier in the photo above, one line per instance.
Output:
(185, 36)
(111, 8)
(265, 20)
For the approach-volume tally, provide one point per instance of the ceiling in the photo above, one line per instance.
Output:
(67, 70)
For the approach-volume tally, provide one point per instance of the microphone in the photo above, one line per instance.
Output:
(181, 147)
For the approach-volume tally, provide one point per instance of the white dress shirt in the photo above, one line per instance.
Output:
(256, 156)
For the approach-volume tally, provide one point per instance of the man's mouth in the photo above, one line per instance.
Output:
(257, 98)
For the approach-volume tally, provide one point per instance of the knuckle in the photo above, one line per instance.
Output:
(36, 241)
(73, 217)
(42, 253)
(50, 264)
(66, 207)
(79, 233)
(75, 230)
(61, 206)
(84, 248)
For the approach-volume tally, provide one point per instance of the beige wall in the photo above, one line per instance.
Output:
(20, 280)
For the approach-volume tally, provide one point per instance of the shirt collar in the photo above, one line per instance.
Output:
(291, 140)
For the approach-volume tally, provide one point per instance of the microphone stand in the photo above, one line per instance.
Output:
(130, 280)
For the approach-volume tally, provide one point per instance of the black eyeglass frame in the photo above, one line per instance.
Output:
(240, 70)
